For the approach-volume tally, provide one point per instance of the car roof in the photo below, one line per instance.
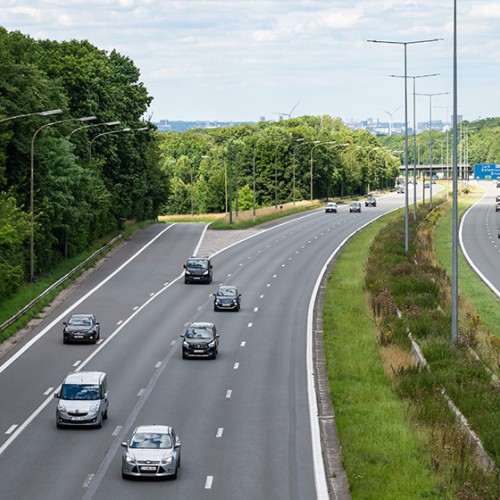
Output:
(226, 287)
(78, 378)
(163, 429)
(82, 315)
(200, 324)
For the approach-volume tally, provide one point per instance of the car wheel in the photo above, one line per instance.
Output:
(174, 475)
(184, 355)
(214, 355)
(124, 476)
(58, 425)
(215, 308)
(237, 308)
(99, 423)
(65, 340)
(105, 416)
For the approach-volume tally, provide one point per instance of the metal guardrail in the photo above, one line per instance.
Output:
(16, 316)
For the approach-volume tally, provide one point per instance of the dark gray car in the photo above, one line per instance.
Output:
(81, 328)
(152, 451)
(200, 340)
(355, 206)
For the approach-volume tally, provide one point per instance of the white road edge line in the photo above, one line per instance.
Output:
(63, 315)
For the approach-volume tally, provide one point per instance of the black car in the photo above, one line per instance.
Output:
(370, 202)
(81, 328)
(200, 340)
(355, 206)
(497, 206)
(198, 270)
(227, 297)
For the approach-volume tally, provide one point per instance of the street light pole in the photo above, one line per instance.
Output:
(100, 135)
(454, 257)
(32, 187)
(405, 44)
(39, 113)
(430, 143)
(94, 125)
(415, 141)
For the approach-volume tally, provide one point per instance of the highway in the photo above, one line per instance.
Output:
(479, 237)
(243, 419)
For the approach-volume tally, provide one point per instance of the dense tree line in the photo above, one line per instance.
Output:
(478, 142)
(84, 186)
(210, 169)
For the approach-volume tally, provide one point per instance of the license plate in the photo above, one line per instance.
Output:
(78, 336)
(148, 468)
(77, 418)
(198, 351)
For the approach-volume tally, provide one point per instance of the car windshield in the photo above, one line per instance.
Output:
(198, 333)
(226, 292)
(151, 440)
(197, 263)
(79, 321)
(76, 392)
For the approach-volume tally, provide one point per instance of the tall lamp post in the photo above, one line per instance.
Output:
(32, 187)
(405, 45)
(318, 143)
(39, 113)
(430, 142)
(108, 124)
(415, 140)
(276, 173)
(100, 135)
(454, 257)
(253, 173)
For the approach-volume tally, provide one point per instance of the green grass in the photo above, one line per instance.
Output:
(470, 285)
(382, 456)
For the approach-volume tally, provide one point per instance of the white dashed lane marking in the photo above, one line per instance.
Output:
(48, 391)
(219, 433)
(11, 429)
(229, 393)
(208, 482)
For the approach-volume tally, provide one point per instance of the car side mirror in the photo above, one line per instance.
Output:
(184, 266)
(124, 444)
(177, 443)
(57, 395)
(65, 323)
(217, 335)
(181, 335)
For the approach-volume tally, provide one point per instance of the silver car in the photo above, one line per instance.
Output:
(152, 451)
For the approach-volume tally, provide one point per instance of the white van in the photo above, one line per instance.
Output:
(83, 400)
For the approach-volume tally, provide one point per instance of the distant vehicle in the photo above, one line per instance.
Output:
(498, 184)
(497, 206)
(227, 297)
(81, 328)
(427, 185)
(497, 198)
(83, 400)
(331, 207)
(370, 202)
(400, 191)
(200, 340)
(152, 451)
(355, 206)
(499, 233)
(198, 270)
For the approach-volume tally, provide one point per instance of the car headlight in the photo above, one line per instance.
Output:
(94, 408)
(185, 344)
(167, 460)
(211, 344)
(188, 272)
(205, 272)
(129, 458)
(61, 407)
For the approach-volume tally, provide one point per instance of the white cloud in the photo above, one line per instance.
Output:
(278, 51)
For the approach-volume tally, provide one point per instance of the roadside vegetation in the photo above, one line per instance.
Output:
(391, 415)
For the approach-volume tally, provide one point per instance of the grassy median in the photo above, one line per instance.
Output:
(381, 454)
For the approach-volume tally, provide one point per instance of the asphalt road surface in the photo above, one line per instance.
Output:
(479, 237)
(243, 419)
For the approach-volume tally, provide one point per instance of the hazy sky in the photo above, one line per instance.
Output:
(243, 59)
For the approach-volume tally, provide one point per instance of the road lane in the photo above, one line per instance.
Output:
(265, 447)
